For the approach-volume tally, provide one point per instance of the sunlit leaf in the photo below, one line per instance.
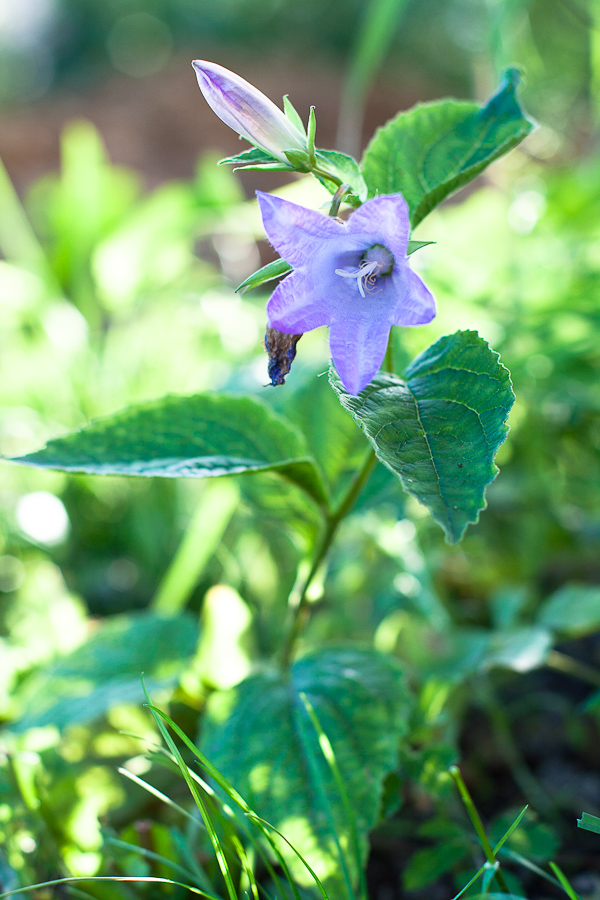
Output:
(440, 428)
(200, 436)
(432, 150)
(269, 749)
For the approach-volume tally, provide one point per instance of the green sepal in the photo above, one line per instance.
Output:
(413, 246)
(293, 115)
(299, 159)
(272, 270)
(311, 132)
(255, 156)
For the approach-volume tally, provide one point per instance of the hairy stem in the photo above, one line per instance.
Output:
(332, 523)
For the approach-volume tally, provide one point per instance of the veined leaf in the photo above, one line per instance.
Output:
(433, 149)
(440, 428)
(269, 748)
(201, 436)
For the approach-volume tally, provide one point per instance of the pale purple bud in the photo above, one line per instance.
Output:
(247, 111)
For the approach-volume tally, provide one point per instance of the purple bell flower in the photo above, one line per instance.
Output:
(247, 111)
(353, 276)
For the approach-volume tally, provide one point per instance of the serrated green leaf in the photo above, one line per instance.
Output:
(346, 169)
(268, 748)
(433, 149)
(272, 270)
(440, 428)
(106, 670)
(573, 610)
(200, 436)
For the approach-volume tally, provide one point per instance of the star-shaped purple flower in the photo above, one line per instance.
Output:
(353, 276)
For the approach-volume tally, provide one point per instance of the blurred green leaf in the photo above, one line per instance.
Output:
(574, 610)
(201, 436)
(105, 671)
(260, 736)
(439, 429)
(426, 865)
(432, 150)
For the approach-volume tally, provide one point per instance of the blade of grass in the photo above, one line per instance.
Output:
(151, 855)
(477, 824)
(327, 750)
(564, 882)
(231, 792)
(78, 879)
(298, 854)
(219, 853)
(156, 793)
(511, 829)
(472, 881)
(527, 864)
(162, 752)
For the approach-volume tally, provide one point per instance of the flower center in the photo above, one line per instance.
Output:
(376, 262)
(380, 255)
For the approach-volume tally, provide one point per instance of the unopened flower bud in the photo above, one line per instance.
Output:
(247, 111)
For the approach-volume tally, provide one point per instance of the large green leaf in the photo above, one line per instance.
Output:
(201, 436)
(439, 429)
(433, 149)
(106, 670)
(261, 737)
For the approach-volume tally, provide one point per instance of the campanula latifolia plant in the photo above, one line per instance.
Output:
(309, 737)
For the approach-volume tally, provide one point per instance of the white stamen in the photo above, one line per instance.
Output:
(365, 275)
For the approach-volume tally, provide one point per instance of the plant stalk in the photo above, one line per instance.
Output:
(332, 523)
(478, 826)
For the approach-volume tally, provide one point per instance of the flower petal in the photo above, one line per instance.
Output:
(294, 309)
(358, 345)
(417, 306)
(297, 233)
(384, 220)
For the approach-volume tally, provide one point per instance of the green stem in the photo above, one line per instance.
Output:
(332, 523)
(337, 199)
(317, 170)
(388, 363)
(217, 505)
(478, 825)
(563, 663)
(374, 36)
